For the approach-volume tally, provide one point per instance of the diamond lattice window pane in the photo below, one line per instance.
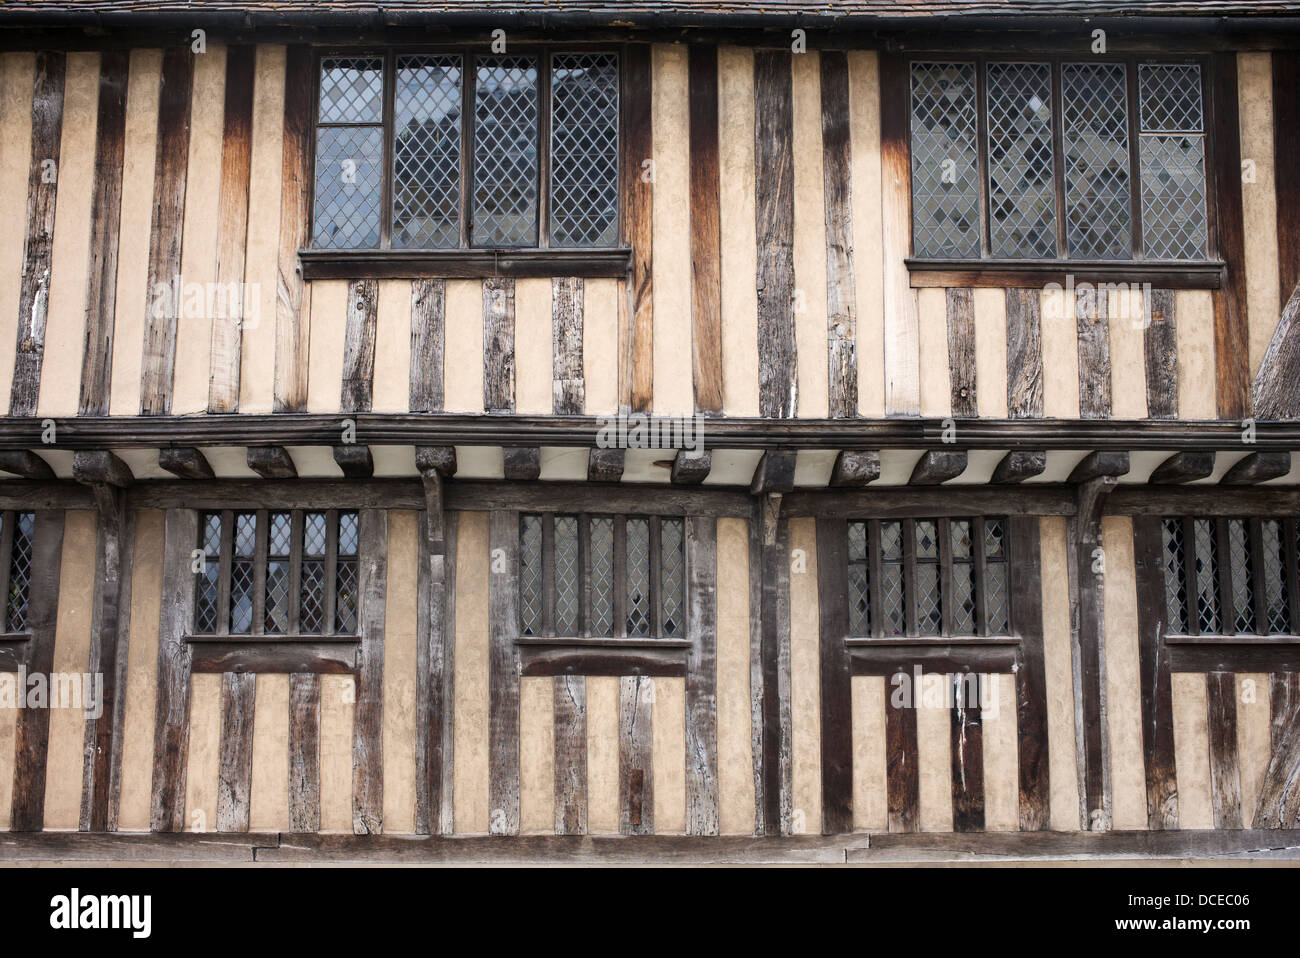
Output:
(602, 577)
(345, 597)
(1173, 196)
(505, 152)
(427, 152)
(1207, 576)
(568, 575)
(277, 597)
(313, 534)
(349, 186)
(1022, 191)
(1175, 576)
(584, 149)
(347, 534)
(857, 541)
(959, 536)
(891, 597)
(672, 580)
(1170, 98)
(891, 540)
(859, 600)
(1274, 575)
(929, 620)
(995, 598)
(945, 161)
(245, 534)
(530, 575)
(1243, 583)
(638, 577)
(241, 597)
(311, 608)
(963, 599)
(205, 599)
(993, 540)
(20, 571)
(351, 90)
(1094, 116)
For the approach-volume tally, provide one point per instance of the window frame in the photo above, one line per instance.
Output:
(467, 259)
(1200, 273)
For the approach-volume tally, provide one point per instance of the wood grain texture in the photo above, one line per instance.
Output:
(937, 466)
(1033, 758)
(1019, 465)
(235, 775)
(855, 468)
(42, 195)
(1160, 344)
(368, 720)
(428, 343)
(836, 678)
(232, 230)
(162, 302)
(775, 753)
(702, 676)
(32, 725)
(292, 295)
(1183, 467)
(966, 755)
(434, 658)
(1024, 354)
(1279, 794)
(105, 219)
(570, 755)
(1257, 467)
(1286, 167)
(1231, 331)
(186, 462)
(357, 388)
(568, 384)
(961, 351)
(706, 230)
(172, 709)
(498, 345)
(902, 772)
(25, 463)
(837, 187)
(1092, 321)
(304, 752)
(271, 462)
(1276, 390)
(774, 223)
(1157, 688)
(636, 300)
(902, 325)
(503, 674)
(690, 469)
(1225, 772)
(636, 795)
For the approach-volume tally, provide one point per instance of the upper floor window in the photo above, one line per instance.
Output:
(1230, 576)
(1031, 160)
(16, 529)
(457, 150)
(928, 577)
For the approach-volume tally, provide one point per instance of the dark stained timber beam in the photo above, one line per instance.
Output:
(25, 463)
(1183, 467)
(184, 461)
(1231, 331)
(523, 462)
(271, 462)
(937, 466)
(775, 473)
(691, 468)
(1098, 464)
(1258, 467)
(855, 468)
(1277, 384)
(355, 461)
(1019, 465)
(439, 459)
(605, 465)
(101, 466)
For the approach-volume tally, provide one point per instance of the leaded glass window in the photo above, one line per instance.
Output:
(16, 531)
(945, 161)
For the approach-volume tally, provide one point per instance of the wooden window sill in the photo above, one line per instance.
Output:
(602, 656)
(1233, 653)
(929, 641)
(12, 638)
(283, 654)
(463, 263)
(1242, 640)
(250, 639)
(926, 273)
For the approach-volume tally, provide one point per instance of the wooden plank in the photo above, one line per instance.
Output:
(902, 326)
(841, 290)
(172, 709)
(836, 678)
(937, 466)
(170, 168)
(1276, 390)
(774, 222)
(636, 177)
(961, 351)
(570, 755)
(702, 676)
(235, 776)
(606, 465)
(503, 674)
(1231, 331)
(1157, 689)
(232, 230)
(25, 463)
(32, 725)
(1019, 465)
(499, 345)
(1225, 775)
(105, 217)
(636, 802)
(1024, 354)
(1257, 467)
(1091, 314)
(271, 462)
(690, 469)
(359, 346)
(1031, 673)
(568, 385)
(304, 752)
(292, 295)
(706, 230)
(902, 775)
(1160, 345)
(1183, 467)
(428, 316)
(854, 468)
(1286, 167)
(368, 721)
(967, 756)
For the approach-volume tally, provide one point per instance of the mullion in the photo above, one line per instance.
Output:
(544, 147)
(980, 558)
(331, 569)
(909, 577)
(468, 91)
(875, 570)
(389, 153)
(655, 578)
(620, 576)
(223, 575)
(947, 585)
(296, 531)
(1227, 601)
(261, 531)
(1258, 577)
(1136, 245)
(549, 590)
(1058, 155)
(6, 563)
(584, 575)
(982, 156)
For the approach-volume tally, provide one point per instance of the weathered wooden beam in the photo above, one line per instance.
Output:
(433, 512)
(271, 462)
(1160, 345)
(1278, 806)
(636, 779)
(1092, 321)
(357, 388)
(836, 678)
(1257, 467)
(967, 756)
(355, 460)
(774, 473)
(101, 466)
(172, 713)
(702, 811)
(937, 466)
(636, 300)
(499, 345)
(1183, 467)
(522, 462)
(605, 465)
(855, 467)
(570, 755)
(304, 752)
(691, 468)
(1098, 464)
(184, 461)
(837, 184)
(1286, 168)
(292, 295)
(435, 660)
(568, 379)
(1225, 774)
(770, 695)
(503, 676)
(902, 774)
(1032, 757)
(368, 721)
(1024, 353)
(960, 302)
(706, 235)
(235, 768)
(25, 463)
(428, 338)
(1157, 688)
(1019, 465)
(1277, 384)
(439, 459)
(1231, 330)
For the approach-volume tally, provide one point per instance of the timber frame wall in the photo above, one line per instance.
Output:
(763, 282)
